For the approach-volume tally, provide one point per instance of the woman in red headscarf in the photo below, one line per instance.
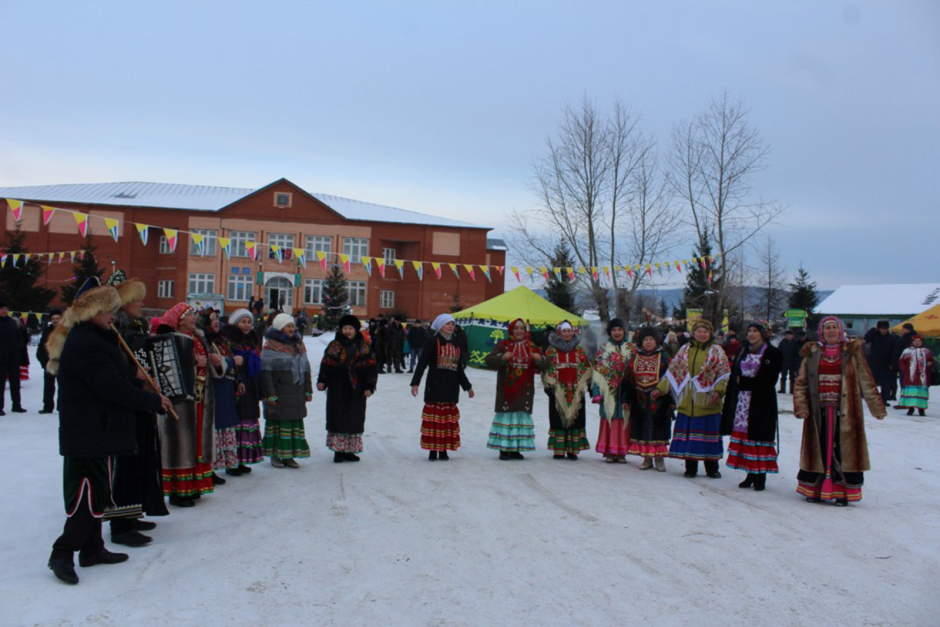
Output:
(515, 360)
(834, 378)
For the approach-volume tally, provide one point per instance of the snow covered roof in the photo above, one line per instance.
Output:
(895, 299)
(208, 198)
(495, 244)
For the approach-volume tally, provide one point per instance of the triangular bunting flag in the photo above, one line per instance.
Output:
(400, 264)
(486, 273)
(544, 272)
(529, 270)
(453, 266)
(301, 256)
(515, 271)
(321, 257)
(437, 268)
(419, 269)
(570, 273)
(470, 270)
(47, 213)
(225, 243)
(557, 272)
(659, 268)
(380, 262)
(143, 230)
(367, 264)
(199, 240)
(277, 253)
(81, 219)
(112, 226)
(345, 260)
(171, 238)
(16, 258)
(16, 206)
(3, 260)
(252, 249)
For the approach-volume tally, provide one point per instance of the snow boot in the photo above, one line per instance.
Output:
(217, 480)
(432, 456)
(132, 538)
(660, 464)
(443, 456)
(921, 412)
(277, 462)
(910, 412)
(573, 456)
(691, 468)
(504, 455)
(338, 458)
(181, 501)
(711, 469)
(351, 457)
(144, 525)
(516, 455)
(760, 482)
(748, 481)
(234, 472)
(647, 463)
(290, 462)
(842, 502)
(558, 456)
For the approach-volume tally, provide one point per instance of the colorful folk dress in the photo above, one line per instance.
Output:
(513, 430)
(226, 408)
(347, 371)
(610, 364)
(248, 429)
(833, 484)
(440, 418)
(566, 377)
(650, 418)
(915, 365)
(285, 376)
(744, 452)
(696, 373)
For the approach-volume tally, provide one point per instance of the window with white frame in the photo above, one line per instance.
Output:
(239, 287)
(319, 244)
(239, 242)
(165, 246)
(389, 255)
(356, 248)
(386, 299)
(201, 283)
(357, 293)
(286, 243)
(164, 289)
(313, 291)
(207, 248)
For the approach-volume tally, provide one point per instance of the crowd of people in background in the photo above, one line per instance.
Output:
(130, 445)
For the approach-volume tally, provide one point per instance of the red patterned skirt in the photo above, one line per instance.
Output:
(751, 456)
(440, 427)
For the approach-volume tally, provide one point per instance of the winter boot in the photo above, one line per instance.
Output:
(660, 464)
(217, 480)
(130, 538)
(573, 457)
(64, 569)
(711, 469)
(748, 481)
(351, 457)
(760, 482)
(104, 556)
(432, 456)
(647, 463)
(910, 412)
(443, 456)
(516, 455)
(338, 458)
(921, 412)
(691, 468)
(504, 455)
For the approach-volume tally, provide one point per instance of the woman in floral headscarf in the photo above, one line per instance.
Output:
(915, 365)
(650, 418)
(697, 376)
(515, 360)
(225, 416)
(566, 376)
(610, 364)
(246, 344)
(833, 379)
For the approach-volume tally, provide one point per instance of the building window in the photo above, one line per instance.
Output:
(356, 248)
(282, 199)
(165, 246)
(239, 286)
(285, 241)
(313, 291)
(357, 293)
(239, 241)
(164, 289)
(208, 243)
(201, 283)
(318, 244)
(389, 255)
(386, 299)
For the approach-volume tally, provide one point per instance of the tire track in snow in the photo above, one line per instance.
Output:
(339, 503)
(532, 483)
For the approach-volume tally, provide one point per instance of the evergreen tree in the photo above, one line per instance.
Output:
(456, 305)
(803, 295)
(84, 269)
(335, 298)
(699, 292)
(663, 309)
(560, 293)
(18, 284)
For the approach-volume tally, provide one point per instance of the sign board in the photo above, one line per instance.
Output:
(796, 318)
(203, 301)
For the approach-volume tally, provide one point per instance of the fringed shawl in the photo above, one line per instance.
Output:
(610, 365)
(568, 371)
(715, 369)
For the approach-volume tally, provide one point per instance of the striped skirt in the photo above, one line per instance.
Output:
(512, 432)
(613, 437)
(440, 427)
(697, 438)
(573, 440)
(248, 436)
(752, 456)
(285, 439)
(914, 396)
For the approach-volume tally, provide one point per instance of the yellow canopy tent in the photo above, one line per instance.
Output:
(486, 322)
(927, 323)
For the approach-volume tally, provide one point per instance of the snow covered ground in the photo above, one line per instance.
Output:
(396, 540)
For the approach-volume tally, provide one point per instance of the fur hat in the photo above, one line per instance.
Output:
(131, 290)
(350, 321)
(91, 303)
(281, 320)
(645, 332)
(616, 322)
(702, 322)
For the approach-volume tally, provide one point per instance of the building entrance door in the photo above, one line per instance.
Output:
(280, 294)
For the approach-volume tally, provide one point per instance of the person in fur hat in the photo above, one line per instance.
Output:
(650, 418)
(137, 477)
(98, 395)
(348, 373)
(610, 365)
(833, 381)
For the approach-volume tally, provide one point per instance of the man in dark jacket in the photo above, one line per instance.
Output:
(791, 360)
(11, 350)
(416, 337)
(881, 344)
(380, 344)
(396, 345)
(98, 394)
(42, 354)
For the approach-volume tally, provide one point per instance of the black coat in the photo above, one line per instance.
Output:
(902, 343)
(98, 395)
(344, 361)
(42, 353)
(10, 342)
(762, 416)
(791, 354)
(443, 384)
(416, 337)
(880, 350)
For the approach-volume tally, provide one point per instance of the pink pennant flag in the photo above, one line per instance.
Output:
(47, 213)
(16, 206)
(81, 219)
(437, 268)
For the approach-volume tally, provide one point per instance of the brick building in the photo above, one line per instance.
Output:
(280, 214)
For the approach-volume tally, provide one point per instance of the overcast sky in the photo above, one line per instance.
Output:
(443, 107)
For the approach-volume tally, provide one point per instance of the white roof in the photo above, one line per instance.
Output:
(207, 198)
(873, 300)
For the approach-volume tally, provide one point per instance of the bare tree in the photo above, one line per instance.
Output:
(713, 160)
(598, 193)
(772, 296)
